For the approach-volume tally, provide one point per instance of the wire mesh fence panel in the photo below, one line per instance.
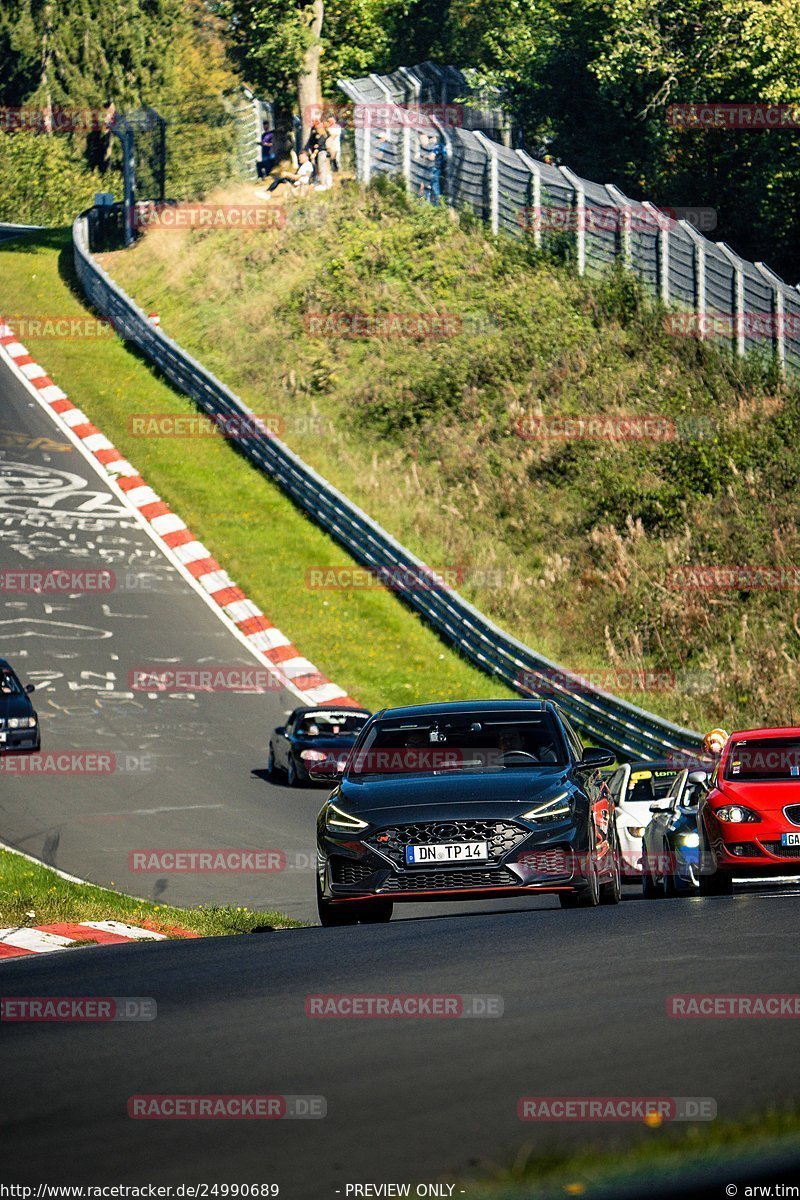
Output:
(515, 193)
(467, 183)
(645, 254)
(791, 301)
(759, 312)
(386, 154)
(682, 274)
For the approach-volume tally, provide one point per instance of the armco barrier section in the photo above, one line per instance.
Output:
(597, 223)
(601, 717)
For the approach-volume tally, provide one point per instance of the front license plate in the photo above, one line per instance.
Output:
(790, 839)
(449, 852)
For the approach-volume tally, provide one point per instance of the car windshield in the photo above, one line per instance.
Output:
(329, 722)
(647, 785)
(473, 742)
(9, 685)
(762, 760)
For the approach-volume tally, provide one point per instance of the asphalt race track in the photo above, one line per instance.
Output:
(584, 992)
(189, 770)
(414, 1100)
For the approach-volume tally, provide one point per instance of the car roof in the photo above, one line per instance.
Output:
(755, 734)
(446, 708)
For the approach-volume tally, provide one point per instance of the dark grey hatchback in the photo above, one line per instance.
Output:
(462, 801)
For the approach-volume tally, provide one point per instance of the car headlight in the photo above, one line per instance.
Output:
(552, 810)
(22, 723)
(737, 814)
(635, 830)
(689, 840)
(313, 755)
(337, 818)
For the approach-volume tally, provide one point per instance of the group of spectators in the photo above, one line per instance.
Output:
(316, 162)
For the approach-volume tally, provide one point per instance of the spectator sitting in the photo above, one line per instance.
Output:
(316, 140)
(300, 178)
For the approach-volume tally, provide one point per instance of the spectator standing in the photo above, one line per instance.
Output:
(333, 144)
(267, 153)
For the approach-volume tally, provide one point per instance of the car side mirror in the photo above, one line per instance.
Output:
(30, 687)
(281, 730)
(697, 777)
(659, 807)
(328, 771)
(598, 756)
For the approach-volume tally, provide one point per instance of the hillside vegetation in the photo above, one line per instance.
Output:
(569, 544)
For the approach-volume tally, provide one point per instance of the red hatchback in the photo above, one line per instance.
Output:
(750, 816)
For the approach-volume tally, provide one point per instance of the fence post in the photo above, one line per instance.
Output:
(535, 195)
(624, 205)
(662, 223)
(490, 151)
(778, 313)
(580, 216)
(738, 297)
(699, 275)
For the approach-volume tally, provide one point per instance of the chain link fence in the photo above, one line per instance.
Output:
(711, 292)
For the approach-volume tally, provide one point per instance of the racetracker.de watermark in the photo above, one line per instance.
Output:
(55, 120)
(753, 325)
(554, 218)
(743, 577)
(358, 324)
(226, 1107)
(240, 427)
(387, 1006)
(387, 115)
(57, 581)
(76, 762)
(555, 682)
(613, 427)
(726, 115)
(652, 1110)
(213, 861)
(177, 679)
(207, 215)
(81, 1009)
(735, 1006)
(29, 326)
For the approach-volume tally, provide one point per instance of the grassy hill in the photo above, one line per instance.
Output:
(570, 544)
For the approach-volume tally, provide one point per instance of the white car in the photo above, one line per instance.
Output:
(634, 787)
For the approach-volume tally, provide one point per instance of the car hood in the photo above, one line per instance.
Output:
(763, 797)
(430, 797)
(15, 706)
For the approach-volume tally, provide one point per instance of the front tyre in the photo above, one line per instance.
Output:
(291, 772)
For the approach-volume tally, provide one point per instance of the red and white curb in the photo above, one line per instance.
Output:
(21, 941)
(167, 529)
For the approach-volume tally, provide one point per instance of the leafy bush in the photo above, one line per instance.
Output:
(43, 182)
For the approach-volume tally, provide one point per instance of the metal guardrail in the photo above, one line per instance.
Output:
(728, 300)
(602, 717)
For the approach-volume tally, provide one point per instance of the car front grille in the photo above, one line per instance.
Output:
(433, 881)
(501, 837)
(792, 813)
(781, 851)
(349, 872)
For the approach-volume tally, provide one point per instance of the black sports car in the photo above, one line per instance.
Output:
(463, 801)
(19, 724)
(671, 842)
(313, 735)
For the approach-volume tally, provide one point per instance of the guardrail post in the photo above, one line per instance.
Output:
(738, 297)
(699, 275)
(778, 313)
(535, 193)
(580, 216)
(624, 205)
(662, 222)
(490, 151)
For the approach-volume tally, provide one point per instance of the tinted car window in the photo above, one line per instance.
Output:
(460, 742)
(331, 723)
(764, 759)
(10, 685)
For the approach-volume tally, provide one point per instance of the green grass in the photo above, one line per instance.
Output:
(31, 894)
(658, 1154)
(366, 641)
(566, 544)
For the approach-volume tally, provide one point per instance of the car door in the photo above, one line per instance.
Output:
(283, 742)
(661, 846)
